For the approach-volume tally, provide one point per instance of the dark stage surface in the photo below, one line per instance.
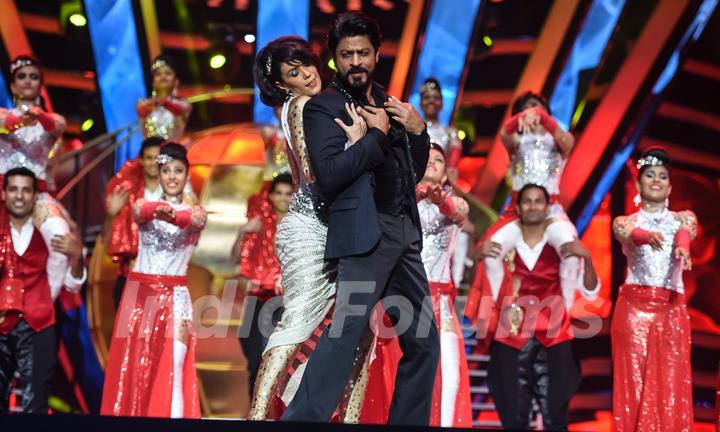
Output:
(127, 424)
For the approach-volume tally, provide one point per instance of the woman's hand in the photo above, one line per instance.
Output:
(683, 255)
(165, 213)
(529, 121)
(358, 127)
(655, 240)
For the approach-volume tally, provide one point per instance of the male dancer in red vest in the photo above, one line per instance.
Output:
(27, 314)
(531, 356)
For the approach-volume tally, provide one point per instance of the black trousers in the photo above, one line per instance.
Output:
(33, 356)
(549, 375)
(392, 271)
(256, 329)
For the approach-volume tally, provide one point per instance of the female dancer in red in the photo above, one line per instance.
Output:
(441, 214)
(151, 363)
(164, 114)
(29, 136)
(650, 333)
(431, 103)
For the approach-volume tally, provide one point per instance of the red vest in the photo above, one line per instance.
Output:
(540, 296)
(31, 268)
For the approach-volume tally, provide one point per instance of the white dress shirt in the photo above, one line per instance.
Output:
(152, 195)
(58, 267)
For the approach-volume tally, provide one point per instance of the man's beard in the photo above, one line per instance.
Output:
(356, 87)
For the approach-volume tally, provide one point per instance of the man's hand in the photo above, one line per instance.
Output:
(574, 248)
(67, 244)
(116, 201)
(406, 115)
(375, 118)
(489, 249)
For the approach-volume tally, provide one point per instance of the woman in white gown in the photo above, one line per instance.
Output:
(286, 71)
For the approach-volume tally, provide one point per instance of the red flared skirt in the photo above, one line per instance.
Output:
(383, 371)
(652, 377)
(139, 372)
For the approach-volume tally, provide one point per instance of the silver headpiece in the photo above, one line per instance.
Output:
(21, 63)
(157, 64)
(268, 66)
(430, 85)
(649, 161)
(163, 159)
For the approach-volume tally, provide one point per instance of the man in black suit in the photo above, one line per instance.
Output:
(374, 229)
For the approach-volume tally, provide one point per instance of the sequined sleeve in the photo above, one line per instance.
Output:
(688, 221)
(622, 227)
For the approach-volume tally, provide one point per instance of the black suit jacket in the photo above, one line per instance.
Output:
(345, 177)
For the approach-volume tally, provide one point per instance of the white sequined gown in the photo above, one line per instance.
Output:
(309, 285)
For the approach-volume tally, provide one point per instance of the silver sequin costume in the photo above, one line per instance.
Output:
(439, 233)
(27, 146)
(445, 136)
(650, 267)
(165, 249)
(537, 160)
(162, 122)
